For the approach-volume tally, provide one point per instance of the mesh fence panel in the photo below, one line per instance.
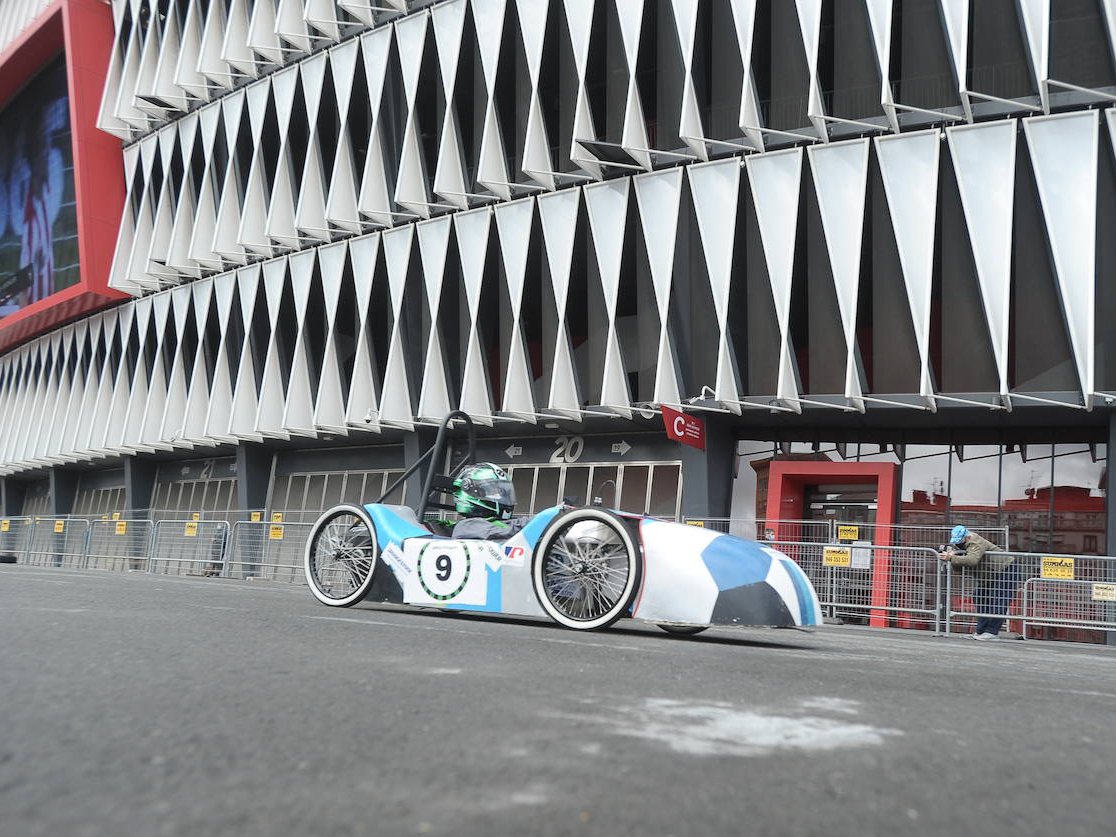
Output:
(1069, 597)
(57, 542)
(189, 547)
(119, 544)
(15, 536)
(929, 537)
(272, 551)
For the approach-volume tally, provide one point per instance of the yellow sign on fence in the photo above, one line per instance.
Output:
(837, 556)
(195, 516)
(5, 525)
(122, 527)
(1057, 567)
(848, 533)
(698, 523)
(1104, 592)
(275, 533)
(116, 515)
(191, 529)
(277, 517)
(257, 517)
(60, 526)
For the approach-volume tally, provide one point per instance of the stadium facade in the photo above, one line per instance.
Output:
(868, 242)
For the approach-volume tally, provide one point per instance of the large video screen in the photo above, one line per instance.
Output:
(38, 216)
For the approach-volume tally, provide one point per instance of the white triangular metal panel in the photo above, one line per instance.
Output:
(298, 409)
(341, 204)
(607, 204)
(909, 165)
(558, 214)
(257, 94)
(1063, 150)
(362, 404)
(313, 71)
(269, 413)
(809, 21)
(210, 63)
(322, 16)
(744, 19)
(283, 85)
(658, 195)
(775, 178)
(331, 264)
(342, 66)
(433, 239)
(513, 221)
(310, 213)
(879, 20)
(291, 26)
(472, 230)
(1036, 25)
(197, 398)
(689, 128)
(449, 22)
(715, 189)
(410, 37)
(984, 162)
(955, 14)
(186, 74)
(261, 32)
(488, 17)
(397, 257)
(375, 47)
(840, 173)
(234, 46)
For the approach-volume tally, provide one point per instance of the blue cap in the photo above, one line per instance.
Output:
(958, 534)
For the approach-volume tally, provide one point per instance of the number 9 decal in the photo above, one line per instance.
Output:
(443, 570)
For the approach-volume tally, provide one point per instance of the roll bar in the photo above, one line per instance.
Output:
(435, 456)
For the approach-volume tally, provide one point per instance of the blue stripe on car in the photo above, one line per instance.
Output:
(733, 562)
(533, 530)
(810, 616)
(391, 528)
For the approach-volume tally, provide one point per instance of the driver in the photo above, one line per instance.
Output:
(485, 498)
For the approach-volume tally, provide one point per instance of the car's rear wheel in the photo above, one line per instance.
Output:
(683, 630)
(587, 569)
(341, 556)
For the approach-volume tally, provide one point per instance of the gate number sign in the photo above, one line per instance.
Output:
(837, 556)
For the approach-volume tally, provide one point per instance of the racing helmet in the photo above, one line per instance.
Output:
(484, 490)
(958, 534)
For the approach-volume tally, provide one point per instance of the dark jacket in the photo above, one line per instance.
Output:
(490, 529)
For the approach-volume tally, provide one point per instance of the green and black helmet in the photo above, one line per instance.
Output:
(484, 490)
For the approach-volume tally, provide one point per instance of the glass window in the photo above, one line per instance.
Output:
(749, 486)
(524, 481)
(1080, 490)
(1025, 493)
(925, 486)
(397, 496)
(604, 486)
(575, 487)
(974, 488)
(353, 492)
(633, 489)
(546, 489)
(333, 488)
(664, 491)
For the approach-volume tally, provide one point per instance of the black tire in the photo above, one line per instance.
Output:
(587, 568)
(341, 556)
(683, 630)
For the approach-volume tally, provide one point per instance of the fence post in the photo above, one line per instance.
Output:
(151, 546)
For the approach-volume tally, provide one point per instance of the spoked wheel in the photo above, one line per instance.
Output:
(587, 568)
(341, 556)
(683, 630)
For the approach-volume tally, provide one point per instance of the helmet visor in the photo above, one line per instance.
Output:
(494, 490)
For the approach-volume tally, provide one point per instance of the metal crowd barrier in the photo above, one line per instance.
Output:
(189, 547)
(57, 542)
(1054, 596)
(820, 531)
(902, 534)
(119, 544)
(271, 551)
(879, 584)
(15, 535)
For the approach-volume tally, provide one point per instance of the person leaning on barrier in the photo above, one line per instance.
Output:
(996, 577)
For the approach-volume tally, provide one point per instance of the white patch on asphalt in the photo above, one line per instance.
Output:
(443, 671)
(832, 704)
(53, 609)
(719, 729)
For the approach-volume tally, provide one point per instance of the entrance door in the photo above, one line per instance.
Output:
(654, 489)
(842, 503)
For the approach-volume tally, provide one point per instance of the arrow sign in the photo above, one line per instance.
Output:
(621, 447)
(514, 450)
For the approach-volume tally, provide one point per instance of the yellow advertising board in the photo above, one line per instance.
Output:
(699, 523)
(1057, 567)
(837, 556)
(1104, 592)
(277, 517)
(5, 525)
(191, 529)
(195, 516)
(60, 526)
(122, 527)
(275, 533)
(116, 515)
(257, 517)
(848, 533)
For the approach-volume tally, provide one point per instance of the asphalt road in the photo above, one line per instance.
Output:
(145, 705)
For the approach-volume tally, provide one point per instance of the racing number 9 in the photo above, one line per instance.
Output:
(443, 566)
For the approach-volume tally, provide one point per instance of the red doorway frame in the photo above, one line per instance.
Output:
(786, 499)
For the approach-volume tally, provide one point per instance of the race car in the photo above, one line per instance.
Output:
(583, 567)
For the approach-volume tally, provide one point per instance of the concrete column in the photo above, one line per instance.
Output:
(12, 493)
(707, 475)
(63, 491)
(139, 485)
(253, 476)
(1110, 516)
(415, 444)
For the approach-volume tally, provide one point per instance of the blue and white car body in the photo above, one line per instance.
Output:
(689, 576)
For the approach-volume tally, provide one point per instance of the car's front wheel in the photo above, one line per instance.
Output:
(341, 555)
(587, 568)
